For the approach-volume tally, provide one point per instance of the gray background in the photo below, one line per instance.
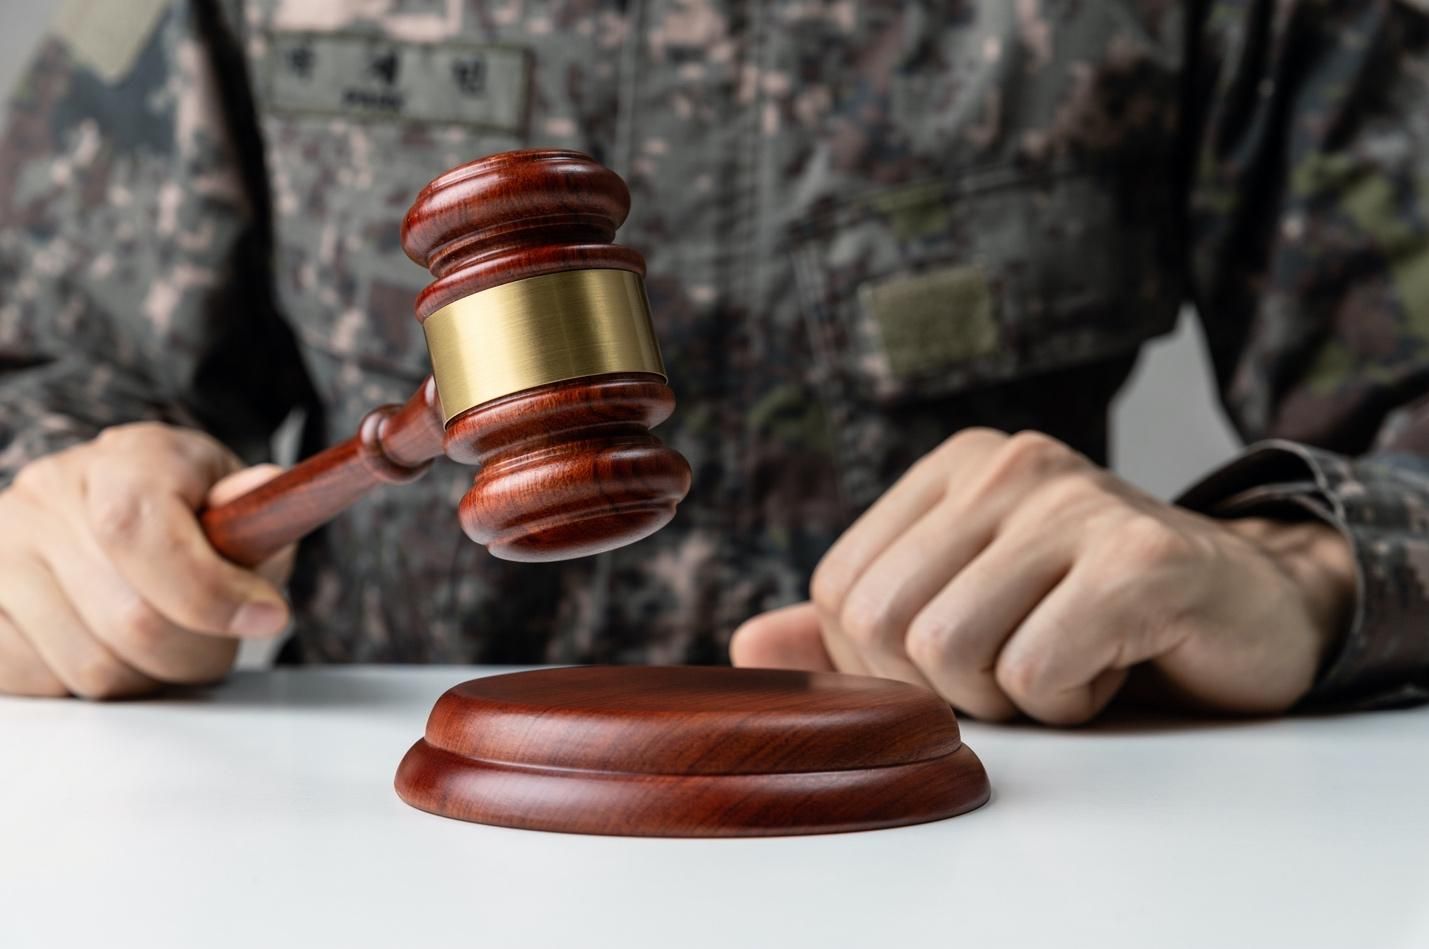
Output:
(1168, 427)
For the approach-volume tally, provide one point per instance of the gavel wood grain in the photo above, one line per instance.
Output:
(567, 468)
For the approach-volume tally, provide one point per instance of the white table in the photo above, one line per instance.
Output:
(262, 814)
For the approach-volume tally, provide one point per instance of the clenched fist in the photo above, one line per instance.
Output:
(108, 587)
(1010, 574)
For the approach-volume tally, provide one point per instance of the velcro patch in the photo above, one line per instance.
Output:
(932, 320)
(107, 36)
(374, 77)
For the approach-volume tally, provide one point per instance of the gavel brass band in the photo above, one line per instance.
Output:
(540, 330)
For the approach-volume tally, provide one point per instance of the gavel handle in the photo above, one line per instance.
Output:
(393, 445)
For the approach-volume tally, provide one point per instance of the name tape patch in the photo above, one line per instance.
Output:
(378, 78)
(934, 320)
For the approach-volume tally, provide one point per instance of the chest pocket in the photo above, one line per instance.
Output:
(927, 290)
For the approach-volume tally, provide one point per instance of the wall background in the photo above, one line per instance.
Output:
(1168, 427)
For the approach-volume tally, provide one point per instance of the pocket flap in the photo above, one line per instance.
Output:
(926, 290)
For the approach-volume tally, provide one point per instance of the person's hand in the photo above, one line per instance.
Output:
(1010, 574)
(108, 587)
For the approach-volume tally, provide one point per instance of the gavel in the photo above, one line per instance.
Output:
(545, 373)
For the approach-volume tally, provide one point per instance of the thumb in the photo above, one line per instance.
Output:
(787, 638)
(238, 483)
(279, 567)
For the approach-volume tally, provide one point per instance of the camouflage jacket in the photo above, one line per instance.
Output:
(867, 225)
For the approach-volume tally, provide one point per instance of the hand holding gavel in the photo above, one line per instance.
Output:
(545, 374)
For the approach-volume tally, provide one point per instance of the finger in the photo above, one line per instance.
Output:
(170, 460)
(278, 568)
(1070, 656)
(136, 632)
(787, 638)
(994, 491)
(921, 487)
(157, 545)
(955, 640)
(22, 671)
(44, 617)
(926, 557)
(239, 483)
(840, 649)
(878, 611)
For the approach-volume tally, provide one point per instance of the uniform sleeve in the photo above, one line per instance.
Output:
(133, 242)
(1308, 235)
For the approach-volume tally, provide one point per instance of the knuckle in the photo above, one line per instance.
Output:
(863, 621)
(117, 437)
(941, 638)
(966, 441)
(1023, 456)
(38, 476)
(117, 510)
(959, 652)
(150, 445)
(827, 587)
(114, 433)
(927, 643)
(141, 627)
(99, 677)
(977, 435)
(1020, 676)
(1035, 450)
(1147, 539)
(135, 431)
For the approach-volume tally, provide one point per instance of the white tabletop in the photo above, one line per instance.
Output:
(262, 814)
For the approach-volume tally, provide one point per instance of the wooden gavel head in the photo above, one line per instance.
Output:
(544, 357)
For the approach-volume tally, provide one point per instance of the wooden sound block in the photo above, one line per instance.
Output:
(683, 751)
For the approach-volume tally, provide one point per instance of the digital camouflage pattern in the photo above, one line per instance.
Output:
(867, 224)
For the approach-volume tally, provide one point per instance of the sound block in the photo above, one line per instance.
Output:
(681, 751)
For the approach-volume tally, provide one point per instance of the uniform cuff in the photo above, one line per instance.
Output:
(1381, 504)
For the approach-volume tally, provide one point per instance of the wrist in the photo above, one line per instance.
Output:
(1319, 562)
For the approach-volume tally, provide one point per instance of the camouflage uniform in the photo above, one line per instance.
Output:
(868, 225)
